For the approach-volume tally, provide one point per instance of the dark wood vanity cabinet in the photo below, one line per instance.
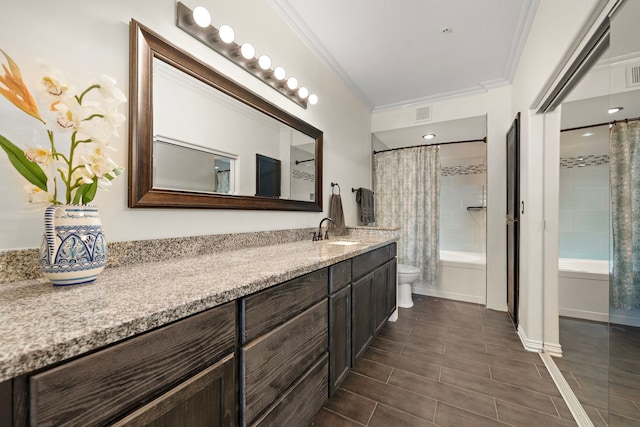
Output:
(284, 356)
(339, 323)
(270, 358)
(358, 310)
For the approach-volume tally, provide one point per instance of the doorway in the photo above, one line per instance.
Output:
(513, 217)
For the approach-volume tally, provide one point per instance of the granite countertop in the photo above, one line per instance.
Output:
(42, 324)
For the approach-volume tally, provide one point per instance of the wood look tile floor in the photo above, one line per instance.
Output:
(447, 363)
(601, 364)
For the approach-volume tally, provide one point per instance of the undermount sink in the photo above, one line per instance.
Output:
(343, 243)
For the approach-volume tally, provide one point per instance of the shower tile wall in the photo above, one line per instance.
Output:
(463, 179)
(584, 209)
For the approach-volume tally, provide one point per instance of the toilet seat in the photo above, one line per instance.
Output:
(407, 269)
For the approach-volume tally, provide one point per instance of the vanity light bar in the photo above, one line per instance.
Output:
(222, 41)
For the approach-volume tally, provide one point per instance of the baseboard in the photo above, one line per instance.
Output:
(554, 350)
(578, 412)
(528, 344)
(447, 295)
(624, 320)
(583, 314)
(601, 317)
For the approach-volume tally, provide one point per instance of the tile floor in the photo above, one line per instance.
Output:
(447, 363)
(601, 364)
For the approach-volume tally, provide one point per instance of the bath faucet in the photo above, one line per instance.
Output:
(319, 235)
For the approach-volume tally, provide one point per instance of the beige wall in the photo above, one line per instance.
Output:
(86, 39)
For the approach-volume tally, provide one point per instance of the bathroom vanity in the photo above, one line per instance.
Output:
(260, 344)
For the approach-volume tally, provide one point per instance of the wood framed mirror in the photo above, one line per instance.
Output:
(195, 136)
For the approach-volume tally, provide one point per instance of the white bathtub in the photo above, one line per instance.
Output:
(583, 286)
(462, 277)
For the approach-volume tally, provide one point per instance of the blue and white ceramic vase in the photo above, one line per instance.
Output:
(73, 249)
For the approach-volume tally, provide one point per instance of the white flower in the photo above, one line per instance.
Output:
(109, 90)
(39, 155)
(99, 164)
(37, 195)
(53, 86)
(113, 119)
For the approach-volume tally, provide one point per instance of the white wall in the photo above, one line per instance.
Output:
(87, 39)
(555, 27)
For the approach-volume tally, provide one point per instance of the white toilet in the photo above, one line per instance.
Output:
(407, 274)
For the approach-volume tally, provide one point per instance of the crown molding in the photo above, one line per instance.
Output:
(525, 20)
(297, 24)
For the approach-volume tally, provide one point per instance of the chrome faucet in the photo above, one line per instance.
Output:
(318, 236)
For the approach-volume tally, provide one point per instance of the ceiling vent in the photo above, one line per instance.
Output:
(423, 114)
(633, 76)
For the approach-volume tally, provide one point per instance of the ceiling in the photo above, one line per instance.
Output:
(409, 52)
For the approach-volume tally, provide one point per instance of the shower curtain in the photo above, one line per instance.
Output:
(407, 191)
(624, 171)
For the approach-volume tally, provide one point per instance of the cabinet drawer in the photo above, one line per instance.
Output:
(208, 398)
(366, 263)
(302, 401)
(96, 388)
(272, 363)
(339, 275)
(267, 309)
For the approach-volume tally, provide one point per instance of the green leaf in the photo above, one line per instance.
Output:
(79, 192)
(31, 171)
(90, 191)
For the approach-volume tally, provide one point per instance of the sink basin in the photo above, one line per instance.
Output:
(343, 242)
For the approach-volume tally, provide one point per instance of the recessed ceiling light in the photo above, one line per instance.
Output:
(429, 136)
(588, 134)
(614, 110)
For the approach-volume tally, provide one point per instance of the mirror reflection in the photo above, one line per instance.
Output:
(206, 141)
(196, 136)
(191, 168)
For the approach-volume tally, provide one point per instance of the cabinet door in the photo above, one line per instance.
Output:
(392, 287)
(206, 399)
(380, 282)
(339, 337)
(361, 315)
(273, 362)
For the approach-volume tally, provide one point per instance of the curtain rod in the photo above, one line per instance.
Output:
(601, 124)
(432, 145)
(304, 161)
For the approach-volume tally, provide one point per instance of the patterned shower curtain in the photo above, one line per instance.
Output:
(624, 171)
(407, 191)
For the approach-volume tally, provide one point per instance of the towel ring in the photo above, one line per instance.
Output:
(335, 184)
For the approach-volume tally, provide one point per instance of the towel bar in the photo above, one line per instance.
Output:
(353, 190)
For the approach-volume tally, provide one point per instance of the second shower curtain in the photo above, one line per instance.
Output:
(407, 189)
(624, 170)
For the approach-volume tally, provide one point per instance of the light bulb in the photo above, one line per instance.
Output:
(226, 34)
(313, 99)
(429, 136)
(202, 16)
(264, 62)
(279, 73)
(614, 110)
(248, 51)
(303, 92)
(292, 83)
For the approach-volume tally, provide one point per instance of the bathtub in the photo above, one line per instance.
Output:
(462, 277)
(583, 288)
